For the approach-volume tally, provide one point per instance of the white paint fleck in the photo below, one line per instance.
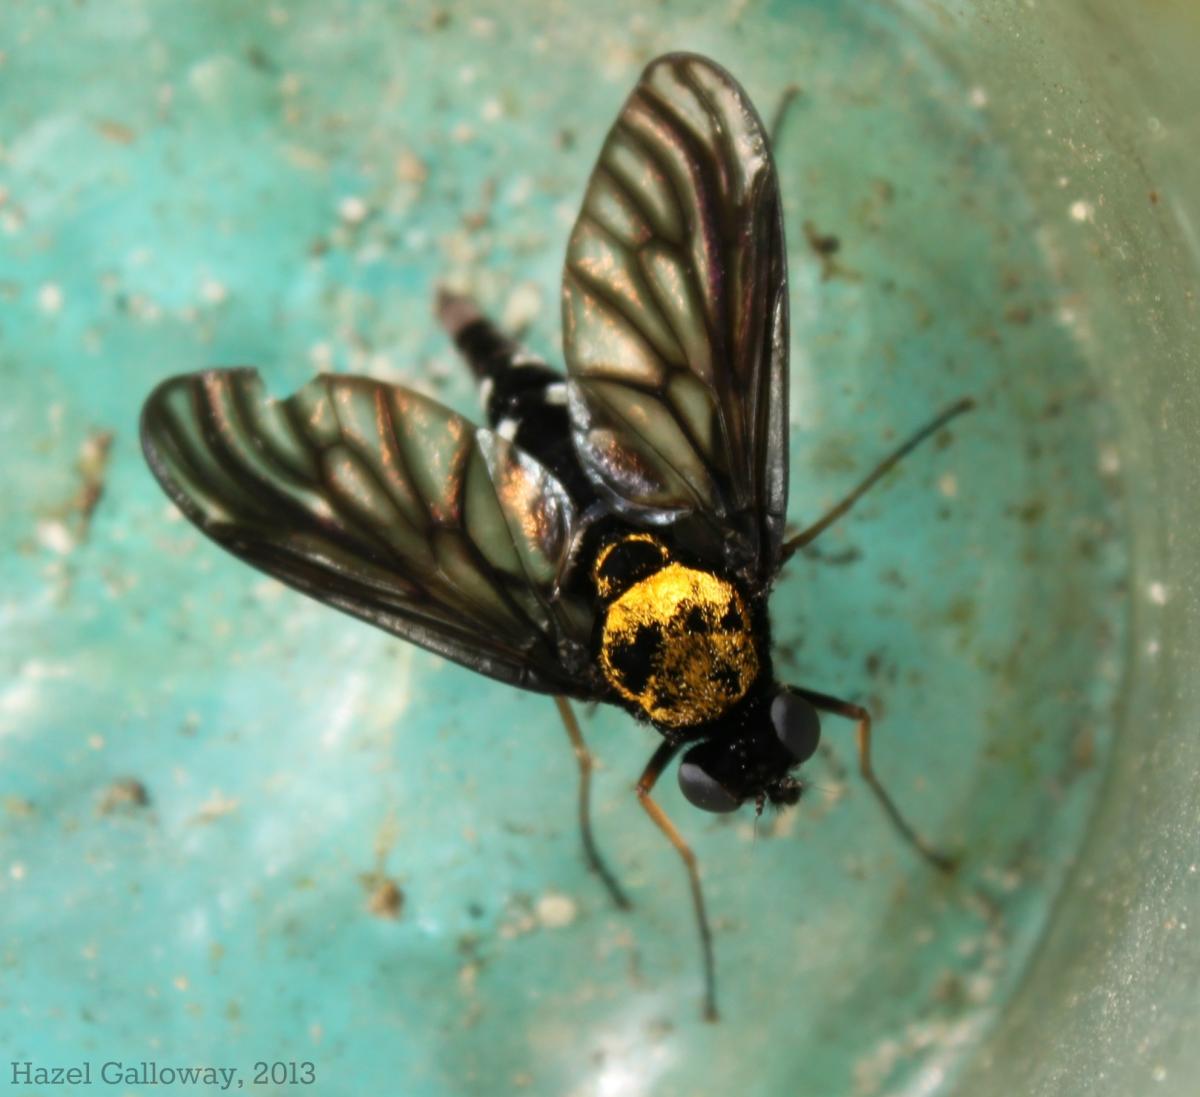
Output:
(948, 485)
(353, 210)
(209, 78)
(143, 308)
(555, 911)
(1110, 460)
(371, 252)
(55, 536)
(22, 695)
(217, 805)
(1082, 210)
(213, 292)
(1159, 1073)
(491, 110)
(50, 298)
(978, 97)
(321, 355)
(507, 429)
(521, 190)
(522, 306)
(618, 1079)
(346, 711)
(17, 870)
(1157, 593)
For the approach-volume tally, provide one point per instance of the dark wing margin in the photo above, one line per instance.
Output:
(386, 505)
(675, 315)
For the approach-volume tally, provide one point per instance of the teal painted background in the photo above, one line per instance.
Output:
(190, 184)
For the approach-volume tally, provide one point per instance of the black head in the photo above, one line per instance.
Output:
(754, 761)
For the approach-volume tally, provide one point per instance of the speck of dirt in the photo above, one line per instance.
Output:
(17, 807)
(961, 611)
(823, 244)
(92, 465)
(555, 911)
(385, 897)
(125, 794)
(1030, 513)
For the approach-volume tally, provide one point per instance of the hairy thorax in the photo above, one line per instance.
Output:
(679, 644)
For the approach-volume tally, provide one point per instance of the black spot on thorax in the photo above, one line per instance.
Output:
(634, 660)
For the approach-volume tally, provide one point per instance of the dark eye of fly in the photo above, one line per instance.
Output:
(704, 791)
(796, 723)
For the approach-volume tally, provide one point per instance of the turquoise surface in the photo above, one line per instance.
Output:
(184, 185)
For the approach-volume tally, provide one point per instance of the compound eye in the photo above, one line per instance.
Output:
(704, 791)
(796, 723)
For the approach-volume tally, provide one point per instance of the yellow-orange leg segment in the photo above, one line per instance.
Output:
(586, 764)
(862, 718)
(646, 783)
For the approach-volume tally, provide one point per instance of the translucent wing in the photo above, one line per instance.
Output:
(385, 504)
(675, 316)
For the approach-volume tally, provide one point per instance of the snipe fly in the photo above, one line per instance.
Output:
(612, 534)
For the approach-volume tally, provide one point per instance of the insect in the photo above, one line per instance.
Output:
(611, 535)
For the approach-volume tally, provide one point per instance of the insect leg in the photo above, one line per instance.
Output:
(885, 466)
(790, 93)
(584, 757)
(862, 718)
(646, 783)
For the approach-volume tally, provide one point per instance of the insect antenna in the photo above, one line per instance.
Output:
(882, 469)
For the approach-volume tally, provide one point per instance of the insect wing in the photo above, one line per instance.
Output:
(675, 315)
(386, 505)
